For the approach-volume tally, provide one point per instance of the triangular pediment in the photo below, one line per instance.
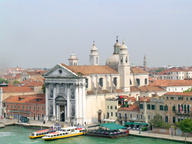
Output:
(59, 71)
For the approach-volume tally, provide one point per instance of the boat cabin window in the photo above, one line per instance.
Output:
(72, 130)
(57, 134)
(68, 130)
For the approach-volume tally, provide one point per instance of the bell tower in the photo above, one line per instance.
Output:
(124, 68)
(94, 56)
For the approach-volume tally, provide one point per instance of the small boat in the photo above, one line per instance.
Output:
(64, 133)
(42, 133)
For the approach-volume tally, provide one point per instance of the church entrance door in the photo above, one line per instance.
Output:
(62, 113)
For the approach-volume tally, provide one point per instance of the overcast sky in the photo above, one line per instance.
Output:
(42, 33)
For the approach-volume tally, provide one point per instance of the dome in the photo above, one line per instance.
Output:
(113, 61)
(123, 46)
(117, 44)
(73, 56)
(94, 47)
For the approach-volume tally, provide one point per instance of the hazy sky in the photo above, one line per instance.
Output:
(42, 33)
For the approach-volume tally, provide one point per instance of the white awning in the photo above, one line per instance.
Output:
(110, 120)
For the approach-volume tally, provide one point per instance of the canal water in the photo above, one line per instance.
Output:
(20, 135)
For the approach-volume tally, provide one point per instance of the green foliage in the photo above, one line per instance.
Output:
(190, 90)
(43, 88)
(144, 128)
(159, 70)
(3, 80)
(15, 82)
(158, 122)
(185, 125)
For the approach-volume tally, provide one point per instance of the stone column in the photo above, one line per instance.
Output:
(84, 103)
(145, 111)
(65, 113)
(80, 103)
(46, 101)
(54, 96)
(77, 102)
(58, 112)
(1, 99)
(68, 102)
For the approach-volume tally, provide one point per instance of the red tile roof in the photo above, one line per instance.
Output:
(137, 70)
(88, 69)
(167, 71)
(168, 82)
(36, 72)
(134, 89)
(16, 89)
(149, 88)
(32, 99)
(30, 83)
(133, 99)
(130, 108)
(142, 99)
(179, 93)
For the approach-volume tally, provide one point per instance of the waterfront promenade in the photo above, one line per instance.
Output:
(159, 136)
(150, 134)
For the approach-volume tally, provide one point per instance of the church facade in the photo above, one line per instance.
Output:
(76, 93)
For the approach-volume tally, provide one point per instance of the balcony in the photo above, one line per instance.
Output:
(182, 113)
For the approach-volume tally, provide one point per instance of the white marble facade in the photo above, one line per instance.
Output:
(65, 96)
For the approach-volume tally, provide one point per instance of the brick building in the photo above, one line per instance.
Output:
(32, 106)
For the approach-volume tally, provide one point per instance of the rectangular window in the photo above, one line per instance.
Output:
(18, 107)
(7, 106)
(107, 107)
(172, 98)
(148, 117)
(191, 98)
(107, 115)
(166, 118)
(15, 106)
(26, 107)
(137, 116)
(34, 108)
(111, 107)
(111, 113)
(125, 116)
(165, 108)
(148, 106)
(115, 107)
(119, 115)
(187, 98)
(180, 98)
(37, 108)
(153, 107)
(29, 107)
(141, 106)
(167, 98)
(161, 107)
(130, 115)
(42, 115)
(42, 108)
(141, 116)
(173, 119)
(22, 107)
(173, 108)
(116, 114)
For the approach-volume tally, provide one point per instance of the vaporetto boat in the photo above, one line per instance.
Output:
(64, 133)
(42, 133)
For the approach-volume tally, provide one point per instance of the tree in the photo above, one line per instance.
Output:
(158, 122)
(3, 80)
(185, 125)
(15, 82)
(189, 90)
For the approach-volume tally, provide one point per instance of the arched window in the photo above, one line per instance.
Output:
(138, 81)
(115, 81)
(101, 82)
(146, 81)
(126, 59)
(86, 81)
(121, 60)
(166, 118)
(130, 82)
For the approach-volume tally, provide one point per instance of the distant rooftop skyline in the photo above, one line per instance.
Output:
(44, 33)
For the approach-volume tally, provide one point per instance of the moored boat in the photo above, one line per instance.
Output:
(42, 133)
(64, 133)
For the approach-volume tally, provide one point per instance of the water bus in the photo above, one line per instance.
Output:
(64, 133)
(42, 133)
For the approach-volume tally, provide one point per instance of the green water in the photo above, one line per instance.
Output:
(20, 135)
